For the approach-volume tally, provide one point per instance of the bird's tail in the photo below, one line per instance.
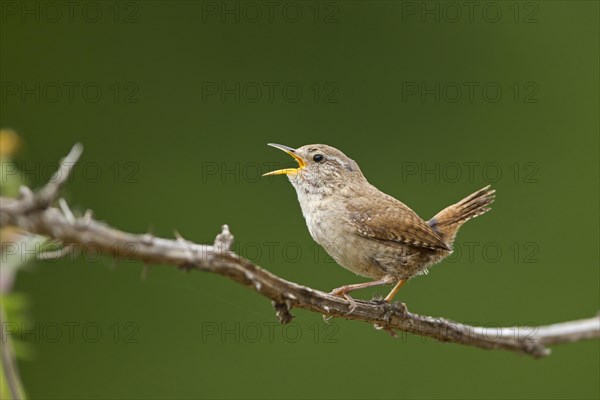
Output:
(447, 221)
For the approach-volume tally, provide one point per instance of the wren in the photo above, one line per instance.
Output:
(365, 230)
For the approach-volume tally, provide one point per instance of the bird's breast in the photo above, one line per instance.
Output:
(328, 224)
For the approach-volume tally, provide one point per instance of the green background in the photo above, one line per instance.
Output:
(173, 156)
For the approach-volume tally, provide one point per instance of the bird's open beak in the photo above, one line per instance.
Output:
(287, 171)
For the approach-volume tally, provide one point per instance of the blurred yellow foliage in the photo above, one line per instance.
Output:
(9, 142)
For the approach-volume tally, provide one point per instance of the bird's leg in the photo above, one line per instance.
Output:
(395, 290)
(344, 290)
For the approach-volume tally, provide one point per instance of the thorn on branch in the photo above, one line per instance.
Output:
(190, 253)
(66, 210)
(327, 318)
(47, 194)
(25, 193)
(87, 217)
(148, 239)
(224, 240)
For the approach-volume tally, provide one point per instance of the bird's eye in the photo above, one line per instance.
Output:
(318, 157)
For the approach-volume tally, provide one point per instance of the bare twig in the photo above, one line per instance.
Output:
(86, 232)
(30, 201)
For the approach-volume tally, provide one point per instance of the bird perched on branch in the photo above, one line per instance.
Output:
(365, 230)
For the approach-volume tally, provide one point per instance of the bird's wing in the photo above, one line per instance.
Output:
(388, 219)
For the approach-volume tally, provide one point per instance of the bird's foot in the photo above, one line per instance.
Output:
(343, 292)
(353, 304)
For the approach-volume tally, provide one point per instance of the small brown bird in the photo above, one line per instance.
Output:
(365, 230)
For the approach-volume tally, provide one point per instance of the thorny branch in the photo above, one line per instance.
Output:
(32, 212)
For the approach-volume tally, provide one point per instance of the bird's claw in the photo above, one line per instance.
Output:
(353, 304)
(343, 292)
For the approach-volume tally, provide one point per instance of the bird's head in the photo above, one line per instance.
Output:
(319, 166)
